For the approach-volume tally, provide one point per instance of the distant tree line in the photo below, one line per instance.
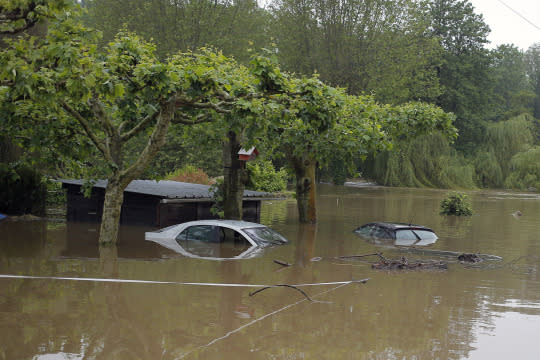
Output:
(398, 51)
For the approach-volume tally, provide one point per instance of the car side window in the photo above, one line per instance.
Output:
(230, 236)
(204, 233)
(365, 230)
(381, 233)
(405, 235)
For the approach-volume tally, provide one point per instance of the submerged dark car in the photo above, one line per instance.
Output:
(400, 234)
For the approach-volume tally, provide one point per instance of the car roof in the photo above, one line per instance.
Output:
(235, 224)
(399, 226)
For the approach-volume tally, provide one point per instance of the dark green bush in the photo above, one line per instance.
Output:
(456, 203)
(22, 190)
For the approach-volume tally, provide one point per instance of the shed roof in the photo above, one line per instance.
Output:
(167, 189)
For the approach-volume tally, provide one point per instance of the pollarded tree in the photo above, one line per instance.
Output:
(111, 97)
(17, 16)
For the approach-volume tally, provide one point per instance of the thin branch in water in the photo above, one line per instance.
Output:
(282, 263)
(282, 285)
(357, 256)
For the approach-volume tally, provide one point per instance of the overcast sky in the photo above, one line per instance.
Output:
(510, 21)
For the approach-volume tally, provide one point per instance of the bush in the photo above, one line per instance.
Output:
(217, 195)
(263, 177)
(22, 190)
(190, 174)
(456, 204)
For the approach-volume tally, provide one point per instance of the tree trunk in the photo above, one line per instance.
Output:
(234, 178)
(120, 179)
(306, 189)
(112, 207)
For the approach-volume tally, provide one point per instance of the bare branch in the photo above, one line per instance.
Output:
(187, 120)
(139, 127)
(101, 115)
(156, 140)
(217, 107)
(86, 127)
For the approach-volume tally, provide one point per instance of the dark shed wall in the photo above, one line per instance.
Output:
(80, 208)
(137, 209)
(140, 209)
(143, 209)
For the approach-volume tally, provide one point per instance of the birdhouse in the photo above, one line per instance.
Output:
(248, 155)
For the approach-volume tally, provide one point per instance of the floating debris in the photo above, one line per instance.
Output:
(470, 258)
(404, 264)
(282, 263)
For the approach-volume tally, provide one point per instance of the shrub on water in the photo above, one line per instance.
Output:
(456, 203)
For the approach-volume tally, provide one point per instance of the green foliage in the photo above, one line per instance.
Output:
(464, 73)
(424, 161)
(56, 195)
(513, 93)
(457, 204)
(371, 46)
(184, 25)
(264, 177)
(488, 169)
(21, 15)
(216, 190)
(22, 190)
(525, 170)
(336, 170)
(190, 174)
(506, 138)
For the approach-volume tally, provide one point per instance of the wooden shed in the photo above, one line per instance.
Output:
(154, 203)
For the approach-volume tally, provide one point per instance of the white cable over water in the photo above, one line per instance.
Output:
(7, 276)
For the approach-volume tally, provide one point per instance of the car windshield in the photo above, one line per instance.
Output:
(264, 235)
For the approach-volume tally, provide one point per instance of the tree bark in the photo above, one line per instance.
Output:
(120, 179)
(112, 208)
(234, 178)
(306, 189)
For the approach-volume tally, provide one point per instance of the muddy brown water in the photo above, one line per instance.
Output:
(489, 310)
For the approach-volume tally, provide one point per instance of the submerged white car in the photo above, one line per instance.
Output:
(216, 239)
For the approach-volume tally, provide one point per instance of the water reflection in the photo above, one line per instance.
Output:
(463, 313)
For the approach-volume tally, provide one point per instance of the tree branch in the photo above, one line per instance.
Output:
(86, 127)
(156, 140)
(139, 127)
(101, 115)
(186, 120)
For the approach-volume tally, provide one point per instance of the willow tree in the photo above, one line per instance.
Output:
(110, 97)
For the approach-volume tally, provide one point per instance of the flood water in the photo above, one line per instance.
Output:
(135, 304)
